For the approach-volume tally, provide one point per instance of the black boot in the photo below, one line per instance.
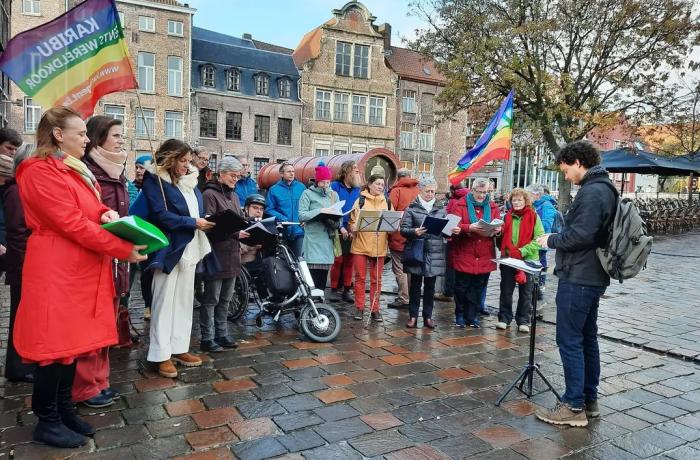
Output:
(66, 408)
(347, 296)
(334, 296)
(51, 430)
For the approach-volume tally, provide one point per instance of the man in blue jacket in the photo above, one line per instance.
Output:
(246, 185)
(347, 186)
(283, 203)
(582, 281)
(544, 205)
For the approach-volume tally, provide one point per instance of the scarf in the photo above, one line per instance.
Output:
(528, 219)
(485, 205)
(427, 205)
(189, 181)
(111, 163)
(81, 168)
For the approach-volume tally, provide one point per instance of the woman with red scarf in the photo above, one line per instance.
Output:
(521, 229)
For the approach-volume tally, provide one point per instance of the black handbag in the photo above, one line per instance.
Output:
(413, 252)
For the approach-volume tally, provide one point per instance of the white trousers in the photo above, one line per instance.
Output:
(171, 312)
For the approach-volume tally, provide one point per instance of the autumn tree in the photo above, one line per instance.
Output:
(574, 65)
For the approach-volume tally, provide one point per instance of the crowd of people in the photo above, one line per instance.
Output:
(70, 279)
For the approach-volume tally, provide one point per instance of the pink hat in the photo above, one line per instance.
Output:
(323, 172)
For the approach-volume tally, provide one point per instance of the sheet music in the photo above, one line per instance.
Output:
(452, 222)
(519, 264)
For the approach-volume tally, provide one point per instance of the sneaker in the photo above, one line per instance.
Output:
(459, 322)
(501, 325)
(167, 369)
(524, 328)
(561, 414)
(187, 360)
(592, 409)
(98, 401)
(376, 316)
(111, 393)
(475, 323)
(210, 346)
(359, 314)
(226, 342)
(398, 305)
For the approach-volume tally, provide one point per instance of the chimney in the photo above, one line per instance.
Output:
(385, 30)
(247, 36)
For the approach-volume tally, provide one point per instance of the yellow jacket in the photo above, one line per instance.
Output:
(370, 244)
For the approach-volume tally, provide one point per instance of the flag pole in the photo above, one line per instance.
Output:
(150, 143)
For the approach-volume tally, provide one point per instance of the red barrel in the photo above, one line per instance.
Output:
(379, 160)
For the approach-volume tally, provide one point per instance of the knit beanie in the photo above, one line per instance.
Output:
(323, 172)
(144, 160)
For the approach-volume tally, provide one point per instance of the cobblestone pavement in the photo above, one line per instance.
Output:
(382, 391)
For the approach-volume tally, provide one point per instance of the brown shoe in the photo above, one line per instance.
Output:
(561, 414)
(187, 360)
(167, 369)
(428, 322)
(411, 323)
(146, 313)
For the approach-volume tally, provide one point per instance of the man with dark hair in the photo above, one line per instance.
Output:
(283, 204)
(10, 141)
(582, 281)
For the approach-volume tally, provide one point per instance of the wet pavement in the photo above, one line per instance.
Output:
(383, 391)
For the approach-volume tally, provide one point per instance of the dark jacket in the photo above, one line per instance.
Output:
(175, 221)
(217, 197)
(585, 230)
(435, 262)
(470, 252)
(17, 233)
(401, 195)
(245, 187)
(115, 194)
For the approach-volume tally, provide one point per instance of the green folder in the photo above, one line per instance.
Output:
(138, 231)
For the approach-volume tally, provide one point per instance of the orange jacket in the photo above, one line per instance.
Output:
(401, 195)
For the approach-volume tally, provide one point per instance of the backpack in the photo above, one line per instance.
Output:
(558, 224)
(278, 276)
(628, 245)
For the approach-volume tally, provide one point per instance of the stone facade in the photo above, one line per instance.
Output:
(344, 80)
(161, 28)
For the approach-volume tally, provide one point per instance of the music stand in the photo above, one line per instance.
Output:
(532, 270)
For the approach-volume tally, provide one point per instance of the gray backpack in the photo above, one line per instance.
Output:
(628, 245)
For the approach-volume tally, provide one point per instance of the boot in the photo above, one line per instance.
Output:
(347, 296)
(334, 295)
(66, 408)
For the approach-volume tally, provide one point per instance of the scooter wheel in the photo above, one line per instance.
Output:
(321, 327)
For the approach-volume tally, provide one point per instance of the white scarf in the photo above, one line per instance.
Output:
(427, 205)
(112, 163)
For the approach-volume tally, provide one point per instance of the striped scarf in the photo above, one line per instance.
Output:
(81, 168)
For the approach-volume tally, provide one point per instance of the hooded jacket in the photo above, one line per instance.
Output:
(547, 210)
(245, 186)
(283, 203)
(401, 195)
(585, 230)
(347, 194)
(371, 244)
(319, 233)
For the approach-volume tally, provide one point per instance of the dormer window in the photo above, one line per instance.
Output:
(208, 76)
(285, 87)
(262, 84)
(233, 80)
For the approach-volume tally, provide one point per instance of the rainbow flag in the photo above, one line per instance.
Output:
(73, 60)
(493, 144)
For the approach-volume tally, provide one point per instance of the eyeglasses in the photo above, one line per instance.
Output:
(480, 192)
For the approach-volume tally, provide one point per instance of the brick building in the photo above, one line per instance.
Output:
(347, 90)
(157, 34)
(245, 98)
(5, 97)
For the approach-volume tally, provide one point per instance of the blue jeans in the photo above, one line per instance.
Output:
(577, 314)
(213, 313)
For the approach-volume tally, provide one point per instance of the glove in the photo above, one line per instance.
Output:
(520, 277)
(516, 254)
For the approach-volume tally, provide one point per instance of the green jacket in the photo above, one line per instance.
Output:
(531, 251)
(318, 232)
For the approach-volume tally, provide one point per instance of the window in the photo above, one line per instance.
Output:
(262, 129)
(409, 101)
(342, 58)
(32, 7)
(340, 151)
(234, 123)
(173, 124)
(32, 115)
(145, 128)
(285, 87)
(258, 164)
(341, 107)
(407, 165)
(147, 24)
(146, 71)
(122, 20)
(262, 84)
(376, 110)
(426, 138)
(359, 109)
(207, 123)
(175, 28)
(407, 135)
(323, 105)
(233, 80)
(425, 169)
(208, 76)
(284, 131)
(361, 63)
(322, 152)
(174, 76)
(116, 112)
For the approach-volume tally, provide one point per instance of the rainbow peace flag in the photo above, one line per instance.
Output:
(493, 144)
(73, 60)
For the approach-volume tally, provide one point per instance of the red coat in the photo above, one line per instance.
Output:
(67, 304)
(401, 195)
(471, 253)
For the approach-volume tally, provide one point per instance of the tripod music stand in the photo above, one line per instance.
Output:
(532, 270)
